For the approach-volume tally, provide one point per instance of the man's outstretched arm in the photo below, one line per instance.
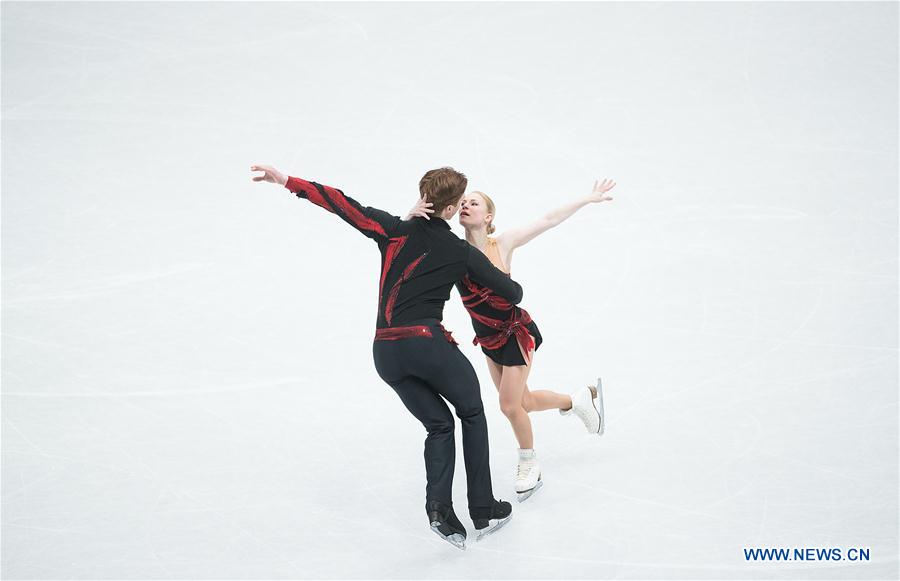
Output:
(372, 222)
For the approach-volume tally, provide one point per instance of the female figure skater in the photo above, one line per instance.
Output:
(507, 334)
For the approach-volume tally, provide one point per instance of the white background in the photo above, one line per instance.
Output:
(188, 389)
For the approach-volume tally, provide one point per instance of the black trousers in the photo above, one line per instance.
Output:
(424, 371)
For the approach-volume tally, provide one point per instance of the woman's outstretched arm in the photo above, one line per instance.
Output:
(516, 237)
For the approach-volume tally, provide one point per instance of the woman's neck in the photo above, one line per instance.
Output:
(477, 237)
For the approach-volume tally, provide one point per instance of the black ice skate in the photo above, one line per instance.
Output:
(489, 520)
(445, 524)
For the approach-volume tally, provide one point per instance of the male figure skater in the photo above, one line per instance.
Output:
(421, 259)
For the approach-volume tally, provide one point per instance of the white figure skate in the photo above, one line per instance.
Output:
(587, 404)
(528, 475)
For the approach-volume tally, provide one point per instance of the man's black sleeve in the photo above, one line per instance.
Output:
(372, 222)
(486, 274)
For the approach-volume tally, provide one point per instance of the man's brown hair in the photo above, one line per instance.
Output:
(442, 187)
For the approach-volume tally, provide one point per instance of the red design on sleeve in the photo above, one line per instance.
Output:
(358, 219)
(514, 325)
(482, 294)
(297, 185)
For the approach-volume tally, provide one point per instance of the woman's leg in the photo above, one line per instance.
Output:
(512, 388)
(543, 399)
(496, 371)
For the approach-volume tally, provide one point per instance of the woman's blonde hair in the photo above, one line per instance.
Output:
(492, 210)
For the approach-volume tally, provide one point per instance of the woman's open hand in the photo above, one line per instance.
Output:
(600, 189)
(421, 209)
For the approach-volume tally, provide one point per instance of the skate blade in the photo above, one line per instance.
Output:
(598, 405)
(523, 496)
(492, 528)
(456, 539)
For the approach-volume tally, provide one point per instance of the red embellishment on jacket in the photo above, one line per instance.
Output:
(394, 333)
(448, 335)
(390, 255)
(395, 290)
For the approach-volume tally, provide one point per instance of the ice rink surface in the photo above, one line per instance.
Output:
(188, 390)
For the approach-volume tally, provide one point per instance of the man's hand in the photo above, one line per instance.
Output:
(271, 174)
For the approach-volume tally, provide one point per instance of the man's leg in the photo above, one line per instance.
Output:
(457, 382)
(440, 449)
